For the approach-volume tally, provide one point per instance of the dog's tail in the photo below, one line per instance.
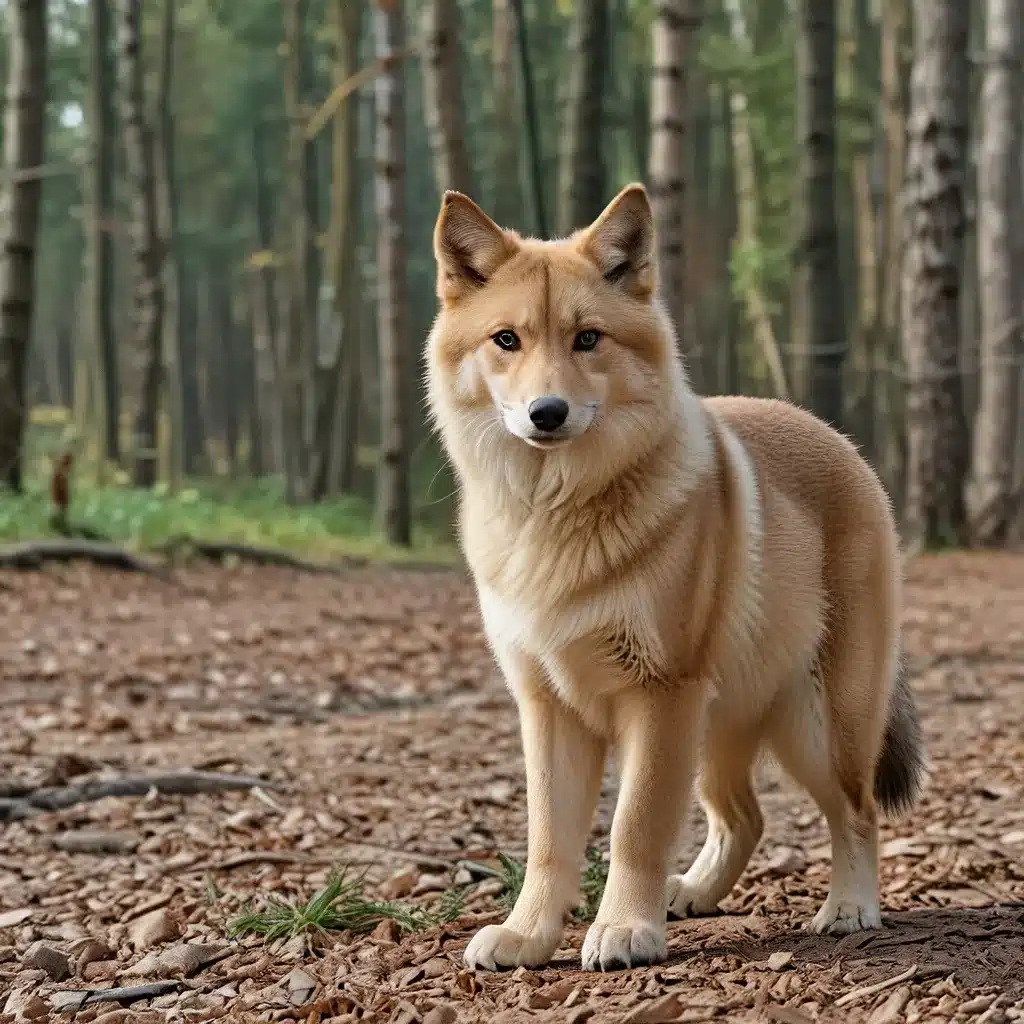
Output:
(901, 765)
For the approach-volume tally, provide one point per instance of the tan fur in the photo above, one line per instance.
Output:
(685, 580)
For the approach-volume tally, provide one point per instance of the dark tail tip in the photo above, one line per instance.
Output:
(901, 766)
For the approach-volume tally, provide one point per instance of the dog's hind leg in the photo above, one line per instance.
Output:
(829, 746)
(734, 819)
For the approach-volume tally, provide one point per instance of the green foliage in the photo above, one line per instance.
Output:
(513, 876)
(340, 906)
(592, 883)
(252, 513)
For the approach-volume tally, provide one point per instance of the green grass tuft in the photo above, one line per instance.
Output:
(513, 875)
(339, 906)
(592, 883)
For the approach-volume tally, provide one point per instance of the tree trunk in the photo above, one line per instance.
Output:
(748, 210)
(442, 96)
(933, 253)
(193, 421)
(168, 212)
(582, 186)
(147, 247)
(341, 255)
(393, 499)
(819, 336)
(675, 24)
(532, 124)
(296, 363)
(99, 244)
(265, 312)
(990, 495)
(889, 393)
(504, 146)
(24, 126)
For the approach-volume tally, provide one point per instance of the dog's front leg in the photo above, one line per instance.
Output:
(657, 738)
(563, 778)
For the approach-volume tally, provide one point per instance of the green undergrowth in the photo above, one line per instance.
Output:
(342, 904)
(251, 513)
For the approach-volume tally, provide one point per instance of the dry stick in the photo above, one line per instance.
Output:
(35, 554)
(217, 550)
(869, 990)
(169, 784)
(117, 995)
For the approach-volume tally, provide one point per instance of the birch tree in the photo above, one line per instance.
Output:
(672, 43)
(393, 501)
(19, 220)
(100, 249)
(582, 184)
(504, 148)
(146, 246)
(442, 96)
(819, 338)
(990, 493)
(934, 223)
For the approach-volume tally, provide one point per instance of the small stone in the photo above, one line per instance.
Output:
(779, 960)
(95, 842)
(10, 918)
(152, 929)
(68, 1002)
(400, 884)
(46, 958)
(437, 967)
(301, 986)
(430, 883)
(387, 930)
(181, 960)
(99, 970)
(87, 951)
(463, 876)
(33, 1009)
(489, 887)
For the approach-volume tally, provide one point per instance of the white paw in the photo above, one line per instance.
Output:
(685, 900)
(496, 946)
(609, 947)
(838, 918)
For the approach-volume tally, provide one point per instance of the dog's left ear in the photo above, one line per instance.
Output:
(621, 242)
(468, 246)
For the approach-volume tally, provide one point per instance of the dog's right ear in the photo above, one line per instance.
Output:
(468, 245)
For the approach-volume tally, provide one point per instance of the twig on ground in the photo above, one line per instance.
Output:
(66, 1002)
(216, 550)
(55, 798)
(35, 554)
(255, 857)
(854, 995)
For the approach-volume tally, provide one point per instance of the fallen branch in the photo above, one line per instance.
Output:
(35, 554)
(880, 986)
(70, 1002)
(216, 550)
(55, 798)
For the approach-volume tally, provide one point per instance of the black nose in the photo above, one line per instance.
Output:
(549, 413)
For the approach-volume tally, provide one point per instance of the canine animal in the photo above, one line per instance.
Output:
(684, 580)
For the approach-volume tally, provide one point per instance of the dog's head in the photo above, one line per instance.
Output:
(556, 346)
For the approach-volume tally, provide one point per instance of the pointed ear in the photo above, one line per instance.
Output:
(621, 242)
(468, 245)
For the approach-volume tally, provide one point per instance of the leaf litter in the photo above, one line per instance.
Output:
(367, 706)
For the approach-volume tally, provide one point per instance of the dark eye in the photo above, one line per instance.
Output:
(586, 341)
(506, 340)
